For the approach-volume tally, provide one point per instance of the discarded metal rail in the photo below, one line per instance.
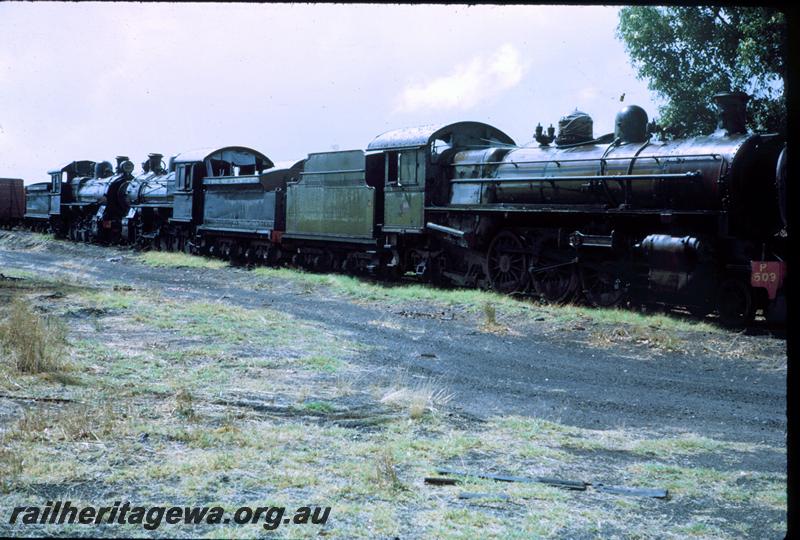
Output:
(575, 485)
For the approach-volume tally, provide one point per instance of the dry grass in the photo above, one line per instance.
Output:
(490, 314)
(184, 404)
(417, 399)
(386, 471)
(490, 324)
(10, 467)
(32, 343)
(652, 337)
(71, 423)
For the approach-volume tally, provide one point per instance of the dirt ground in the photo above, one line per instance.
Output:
(193, 383)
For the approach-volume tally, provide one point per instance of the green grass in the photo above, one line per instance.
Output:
(317, 407)
(683, 482)
(394, 293)
(222, 323)
(110, 299)
(488, 303)
(322, 363)
(168, 259)
(18, 274)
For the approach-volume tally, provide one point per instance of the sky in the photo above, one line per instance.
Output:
(97, 80)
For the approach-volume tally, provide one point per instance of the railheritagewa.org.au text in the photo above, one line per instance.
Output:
(153, 517)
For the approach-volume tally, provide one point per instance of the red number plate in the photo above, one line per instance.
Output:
(767, 274)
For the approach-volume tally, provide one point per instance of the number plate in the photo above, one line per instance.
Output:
(768, 275)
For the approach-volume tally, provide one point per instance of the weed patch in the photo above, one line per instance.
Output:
(386, 471)
(322, 363)
(32, 343)
(168, 259)
(320, 407)
(184, 404)
(650, 336)
(71, 423)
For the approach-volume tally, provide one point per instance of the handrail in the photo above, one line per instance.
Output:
(578, 160)
(687, 176)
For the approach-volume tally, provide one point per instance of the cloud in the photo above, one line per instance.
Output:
(483, 77)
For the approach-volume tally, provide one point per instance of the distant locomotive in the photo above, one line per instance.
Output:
(148, 198)
(87, 203)
(697, 222)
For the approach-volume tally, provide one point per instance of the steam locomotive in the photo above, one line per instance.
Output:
(697, 222)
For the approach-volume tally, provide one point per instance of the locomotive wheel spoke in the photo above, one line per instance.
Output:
(559, 284)
(507, 263)
(601, 286)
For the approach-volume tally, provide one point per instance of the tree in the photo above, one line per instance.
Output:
(688, 54)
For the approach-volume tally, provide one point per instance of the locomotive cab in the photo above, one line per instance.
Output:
(416, 162)
(61, 192)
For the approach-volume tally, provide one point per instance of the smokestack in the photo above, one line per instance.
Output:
(120, 161)
(731, 112)
(155, 162)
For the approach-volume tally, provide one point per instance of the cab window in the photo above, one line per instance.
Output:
(438, 147)
(183, 177)
(408, 168)
(392, 167)
(401, 168)
(56, 187)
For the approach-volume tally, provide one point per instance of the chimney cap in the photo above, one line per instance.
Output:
(722, 98)
(731, 112)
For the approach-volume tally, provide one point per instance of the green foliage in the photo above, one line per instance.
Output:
(690, 53)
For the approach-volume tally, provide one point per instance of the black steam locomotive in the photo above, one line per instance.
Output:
(698, 222)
